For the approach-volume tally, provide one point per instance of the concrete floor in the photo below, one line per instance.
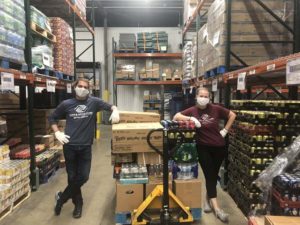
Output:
(99, 197)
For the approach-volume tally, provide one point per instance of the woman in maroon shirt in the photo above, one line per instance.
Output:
(210, 143)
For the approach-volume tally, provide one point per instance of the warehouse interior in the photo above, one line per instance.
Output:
(152, 59)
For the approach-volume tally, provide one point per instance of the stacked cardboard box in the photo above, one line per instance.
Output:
(132, 137)
(125, 72)
(128, 144)
(64, 47)
(150, 71)
(171, 74)
(127, 117)
(17, 124)
(249, 23)
(281, 220)
(9, 101)
(152, 42)
(127, 42)
(189, 192)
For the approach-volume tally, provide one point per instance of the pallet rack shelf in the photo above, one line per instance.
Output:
(62, 9)
(194, 17)
(148, 55)
(167, 82)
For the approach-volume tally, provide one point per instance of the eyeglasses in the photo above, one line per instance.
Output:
(81, 86)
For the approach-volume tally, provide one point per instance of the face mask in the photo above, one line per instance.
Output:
(202, 101)
(81, 92)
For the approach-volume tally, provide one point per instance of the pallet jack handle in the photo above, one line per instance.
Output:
(165, 212)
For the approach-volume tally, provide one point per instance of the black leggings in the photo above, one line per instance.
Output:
(210, 159)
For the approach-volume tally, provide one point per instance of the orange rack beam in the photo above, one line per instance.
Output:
(194, 16)
(148, 55)
(167, 82)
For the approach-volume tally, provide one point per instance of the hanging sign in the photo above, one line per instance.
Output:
(293, 72)
(69, 88)
(50, 85)
(215, 85)
(7, 82)
(241, 81)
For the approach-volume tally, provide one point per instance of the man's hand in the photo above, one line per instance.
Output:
(197, 122)
(61, 137)
(115, 117)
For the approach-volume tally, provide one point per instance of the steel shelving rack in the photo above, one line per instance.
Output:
(264, 75)
(143, 56)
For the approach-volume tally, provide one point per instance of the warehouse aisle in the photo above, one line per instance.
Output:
(98, 194)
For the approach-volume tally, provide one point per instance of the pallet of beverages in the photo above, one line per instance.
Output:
(14, 181)
(258, 135)
(12, 32)
(285, 195)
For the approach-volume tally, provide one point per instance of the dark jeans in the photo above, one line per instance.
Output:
(78, 166)
(210, 159)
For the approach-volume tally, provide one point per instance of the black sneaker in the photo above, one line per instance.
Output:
(77, 211)
(58, 203)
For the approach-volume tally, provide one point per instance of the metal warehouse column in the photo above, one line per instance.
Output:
(293, 90)
(34, 180)
(74, 41)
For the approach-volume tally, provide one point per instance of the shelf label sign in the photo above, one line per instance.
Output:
(293, 72)
(69, 88)
(50, 85)
(46, 60)
(215, 85)
(271, 67)
(7, 82)
(252, 72)
(241, 81)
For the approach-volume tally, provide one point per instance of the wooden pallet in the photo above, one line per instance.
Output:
(20, 200)
(42, 32)
(173, 79)
(5, 212)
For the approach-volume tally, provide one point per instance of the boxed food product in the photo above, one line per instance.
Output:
(138, 117)
(282, 220)
(132, 137)
(128, 197)
(125, 71)
(189, 192)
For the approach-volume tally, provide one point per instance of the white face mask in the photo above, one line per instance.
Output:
(202, 101)
(81, 92)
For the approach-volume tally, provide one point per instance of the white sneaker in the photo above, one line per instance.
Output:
(221, 215)
(207, 207)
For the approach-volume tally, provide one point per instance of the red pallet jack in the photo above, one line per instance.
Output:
(167, 216)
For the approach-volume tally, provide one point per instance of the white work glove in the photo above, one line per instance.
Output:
(223, 132)
(197, 122)
(61, 137)
(115, 117)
